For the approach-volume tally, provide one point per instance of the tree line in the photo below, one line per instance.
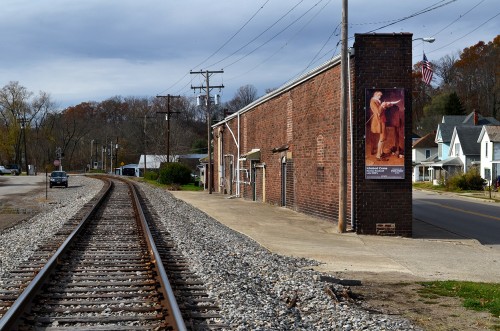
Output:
(463, 82)
(110, 133)
(32, 129)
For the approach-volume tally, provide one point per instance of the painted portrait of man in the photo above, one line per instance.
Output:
(384, 132)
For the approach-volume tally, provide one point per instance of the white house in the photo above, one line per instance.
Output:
(458, 147)
(464, 146)
(154, 161)
(489, 140)
(423, 149)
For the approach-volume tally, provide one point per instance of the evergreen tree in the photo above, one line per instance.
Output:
(454, 106)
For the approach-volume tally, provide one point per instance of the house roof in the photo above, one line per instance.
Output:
(432, 159)
(468, 136)
(469, 120)
(493, 132)
(192, 156)
(426, 141)
(453, 161)
(453, 119)
(445, 131)
(449, 122)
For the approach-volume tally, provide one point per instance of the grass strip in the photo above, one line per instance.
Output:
(476, 296)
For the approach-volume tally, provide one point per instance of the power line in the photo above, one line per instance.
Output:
(167, 117)
(432, 7)
(255, 38)
(458, 18)
(322, 47)
(277, 34)
(234, 35)
(286, 43)
(220, 48)
(465, 35)
(422, 11)
(207, 88)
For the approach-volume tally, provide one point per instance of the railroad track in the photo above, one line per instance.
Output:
(104, 271)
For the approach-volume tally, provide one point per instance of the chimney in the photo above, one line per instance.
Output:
(475, 117)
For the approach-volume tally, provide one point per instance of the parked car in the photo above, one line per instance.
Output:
(58, 178)
(15, 169)
(4, 171)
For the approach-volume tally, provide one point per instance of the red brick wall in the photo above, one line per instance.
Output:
(302, 124)
(305, 119)
(382, 206)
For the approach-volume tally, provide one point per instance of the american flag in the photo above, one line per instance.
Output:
(426, 71)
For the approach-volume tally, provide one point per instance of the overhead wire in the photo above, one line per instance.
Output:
(234, 35)
(458, 18)
(322, 47)
(420, 12)
(274, 36)
(465, 35)
(450, 24)
(259, 35)
(432, 7)
(285, 44)
(220, 48)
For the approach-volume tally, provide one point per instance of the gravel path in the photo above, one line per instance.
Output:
(256, 289)
(17, 243)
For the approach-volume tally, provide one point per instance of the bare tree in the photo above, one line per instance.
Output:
(244, 96)
(20, 111)
(445, 68)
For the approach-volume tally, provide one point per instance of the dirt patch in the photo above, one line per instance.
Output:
(15, 208)
(400, 297)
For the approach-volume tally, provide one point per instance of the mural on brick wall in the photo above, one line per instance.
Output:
(384, 144)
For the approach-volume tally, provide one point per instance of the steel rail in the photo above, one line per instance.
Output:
(11, 317)
(166, 289)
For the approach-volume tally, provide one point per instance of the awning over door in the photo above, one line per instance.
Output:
(253, 155)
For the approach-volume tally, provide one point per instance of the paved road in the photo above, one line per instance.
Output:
(19, 184)
(468, 218)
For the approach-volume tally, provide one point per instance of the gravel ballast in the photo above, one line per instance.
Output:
(255, 289)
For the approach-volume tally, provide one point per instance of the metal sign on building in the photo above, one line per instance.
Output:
(385, 139)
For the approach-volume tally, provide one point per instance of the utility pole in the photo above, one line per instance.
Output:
(167, 117)
(22, 122)
(343, 124)
(207, 88)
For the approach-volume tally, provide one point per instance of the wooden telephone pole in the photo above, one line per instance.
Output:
(167, 117)
(343, 124)
(207, 88)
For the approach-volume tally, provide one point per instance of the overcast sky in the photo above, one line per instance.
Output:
(92, 50)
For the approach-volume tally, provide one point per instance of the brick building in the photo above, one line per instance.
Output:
(283, 148)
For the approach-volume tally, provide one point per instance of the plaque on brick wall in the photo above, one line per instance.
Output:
(384, 142)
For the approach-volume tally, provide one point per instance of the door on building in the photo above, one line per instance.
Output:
(283, 181)
(495, 175)
(231, 174)
(253, 180)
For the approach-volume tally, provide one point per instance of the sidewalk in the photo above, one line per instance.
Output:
(432, 253)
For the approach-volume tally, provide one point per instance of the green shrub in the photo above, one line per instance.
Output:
(175, 173)
(470, 181)
(474, 180)
(151, 175)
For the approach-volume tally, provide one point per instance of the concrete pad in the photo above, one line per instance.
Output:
(286, 232)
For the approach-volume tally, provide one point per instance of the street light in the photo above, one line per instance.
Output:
(426, 39)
